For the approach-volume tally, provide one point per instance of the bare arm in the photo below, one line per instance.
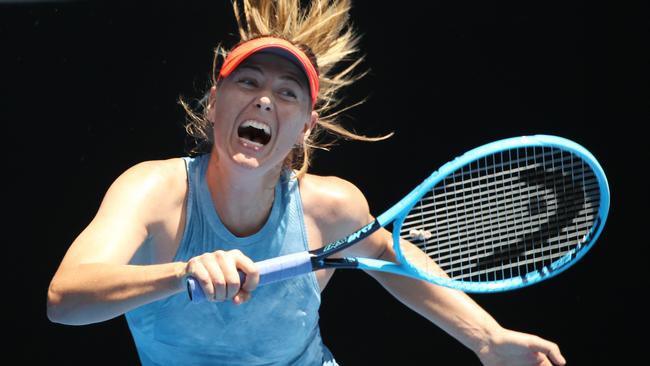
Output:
(95, 281)
(457, 314)
(93, 292)
(451, 310)
(122, 260)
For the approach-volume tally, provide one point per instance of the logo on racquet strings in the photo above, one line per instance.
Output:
(565, 198)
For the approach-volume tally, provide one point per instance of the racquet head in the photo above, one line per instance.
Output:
(505, 215)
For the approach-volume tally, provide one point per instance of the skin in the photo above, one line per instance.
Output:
(123, 258)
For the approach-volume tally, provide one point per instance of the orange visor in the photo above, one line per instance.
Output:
(277, 46)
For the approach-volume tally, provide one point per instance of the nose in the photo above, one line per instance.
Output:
(264, 103)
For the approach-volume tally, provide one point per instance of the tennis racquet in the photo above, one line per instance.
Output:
(502, 216)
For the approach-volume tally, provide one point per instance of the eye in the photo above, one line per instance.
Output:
(249, 82)
(289, 94)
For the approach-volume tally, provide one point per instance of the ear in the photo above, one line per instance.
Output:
(211, 101)
(313, 119)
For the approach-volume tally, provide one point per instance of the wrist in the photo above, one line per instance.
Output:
(482, 335)
(489, 338)
(180, 275)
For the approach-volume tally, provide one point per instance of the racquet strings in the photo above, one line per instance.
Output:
(504, 215)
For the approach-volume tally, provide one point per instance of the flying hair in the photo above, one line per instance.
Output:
(324, 32)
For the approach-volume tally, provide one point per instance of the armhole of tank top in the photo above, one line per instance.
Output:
(189, 197)
(303, 231)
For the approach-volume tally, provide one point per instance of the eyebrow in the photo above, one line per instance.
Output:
(288, 75)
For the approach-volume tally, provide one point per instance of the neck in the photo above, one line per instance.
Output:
(243, 199)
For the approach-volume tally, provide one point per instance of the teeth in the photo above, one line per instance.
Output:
(259, 125)
(255, 132)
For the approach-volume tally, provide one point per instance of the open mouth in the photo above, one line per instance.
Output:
(255, 131)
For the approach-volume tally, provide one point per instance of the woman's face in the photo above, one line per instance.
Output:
(260, 111)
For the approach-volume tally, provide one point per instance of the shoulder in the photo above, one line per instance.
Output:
(332, 200)
(156, 183)
(153, 175)
(336, 208)
(155, 171)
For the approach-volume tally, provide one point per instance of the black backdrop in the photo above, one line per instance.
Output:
(91, 88)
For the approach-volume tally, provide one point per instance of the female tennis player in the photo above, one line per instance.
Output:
(243, 197)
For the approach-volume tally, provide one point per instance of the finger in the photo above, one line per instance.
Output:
(230, 275)
(551, 350)
(557, 358)
(197, 270)
(250, 269)
(241, 297)
(216, 277)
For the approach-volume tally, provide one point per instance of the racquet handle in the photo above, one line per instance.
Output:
(271, 270)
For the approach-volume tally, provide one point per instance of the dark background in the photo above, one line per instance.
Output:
(90, 88)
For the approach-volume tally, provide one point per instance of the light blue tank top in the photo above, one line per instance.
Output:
(277, 326)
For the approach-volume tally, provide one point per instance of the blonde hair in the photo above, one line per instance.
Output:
(324, 32)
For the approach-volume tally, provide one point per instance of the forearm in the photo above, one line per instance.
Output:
(451, 310)
(94, 292)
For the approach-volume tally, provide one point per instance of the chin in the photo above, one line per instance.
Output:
(246, 162)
